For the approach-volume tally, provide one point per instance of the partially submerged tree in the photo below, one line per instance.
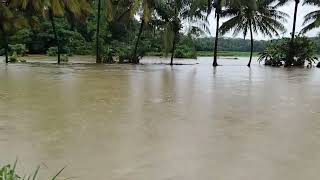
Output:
(11, 20)
(76, 10)
(174, 14)
(277, 52)
(218, 5)
(147, 8)
(265, 19)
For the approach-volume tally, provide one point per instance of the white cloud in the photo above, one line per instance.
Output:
(289, 9)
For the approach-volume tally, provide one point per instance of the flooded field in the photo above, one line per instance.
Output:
(156, 122)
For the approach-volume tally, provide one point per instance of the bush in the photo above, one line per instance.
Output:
(19, 49)
(52, 51)
(13, 58)
(184, 51)
(279, 52)
(76, 44)
(107, 55)
(2, 52)
(64, 58)
(122, 50)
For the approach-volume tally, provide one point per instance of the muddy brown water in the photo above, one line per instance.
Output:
(154, 122)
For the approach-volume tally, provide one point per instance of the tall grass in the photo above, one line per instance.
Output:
(8, 172)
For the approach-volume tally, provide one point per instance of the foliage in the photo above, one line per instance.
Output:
(183, 51)
(228, 44)
(167, 26)
(13, 58)
(52, 51)
(8, 172)
(278, 52)
(64, 58)
(19, 49)
(312, 19)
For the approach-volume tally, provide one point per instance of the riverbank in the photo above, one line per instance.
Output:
(152, 56)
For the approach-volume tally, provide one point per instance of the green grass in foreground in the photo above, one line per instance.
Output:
(8, 172)
(226, 53)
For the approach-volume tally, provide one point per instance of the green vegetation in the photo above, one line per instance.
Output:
(8, 172)
(277, 52)
(124, 30)
(226, 54)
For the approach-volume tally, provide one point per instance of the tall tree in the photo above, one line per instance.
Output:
(293, 32)
(98, 57)
(147, 6)
(11, 21)
(265, 19)
(173, 13)
(218, 5)
(55, 8)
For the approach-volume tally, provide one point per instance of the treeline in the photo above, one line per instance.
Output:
(127, 30)
(229, 44)
(241, 45)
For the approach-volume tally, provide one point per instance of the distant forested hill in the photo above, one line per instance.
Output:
(228, 44)
(237, 44)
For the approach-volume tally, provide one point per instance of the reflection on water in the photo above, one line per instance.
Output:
(147, 122)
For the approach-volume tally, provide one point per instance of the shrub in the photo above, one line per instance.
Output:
(52, 51)
(279, 52)
(76, 44)
(184, 51)
(107, 55)
(64, 58)
(19, 49)
(122, 50)
(13, 58)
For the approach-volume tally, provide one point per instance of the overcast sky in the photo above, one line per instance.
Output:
(289, 9)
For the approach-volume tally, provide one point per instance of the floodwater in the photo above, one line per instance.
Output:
(154, 122)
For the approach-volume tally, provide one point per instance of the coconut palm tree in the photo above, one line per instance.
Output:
(57, 8)
(264, 19)
(173, 13)
(11, 21)
(297, 2)
(218, 5)
(98, 57)
(147, 6)
(54, 8)
(312, 19)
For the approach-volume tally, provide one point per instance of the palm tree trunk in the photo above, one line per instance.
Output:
(98, 58)
(6, 50)
(173, 48)
(251, 53)
(294, 20)
(215, 56)
(135, 58)
(55, 33)
(291, 50)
